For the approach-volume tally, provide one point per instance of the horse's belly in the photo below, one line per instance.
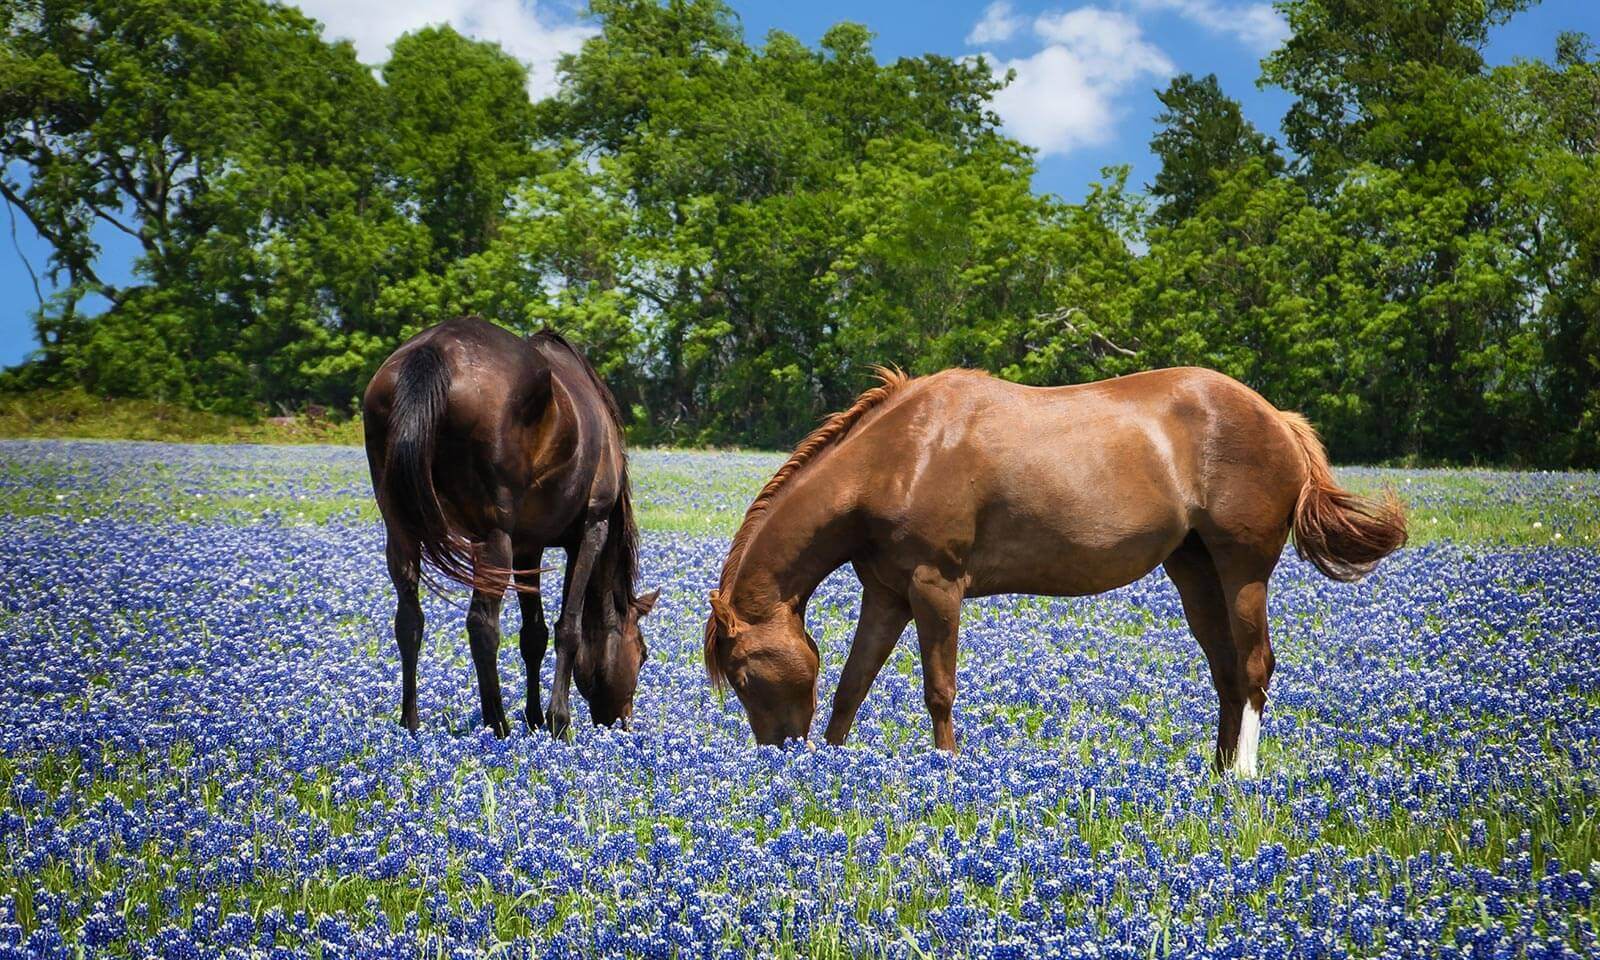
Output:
(548, 521)
(1068, 533)
(1070, 556)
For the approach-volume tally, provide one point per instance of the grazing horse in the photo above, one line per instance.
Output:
(961, 485)
(486, 448)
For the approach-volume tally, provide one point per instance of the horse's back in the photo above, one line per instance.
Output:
(503, 440)
(1072, 490)
(488, 370)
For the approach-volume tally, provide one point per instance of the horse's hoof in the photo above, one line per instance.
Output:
(559, 725)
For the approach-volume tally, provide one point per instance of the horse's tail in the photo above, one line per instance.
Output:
(421, 393)
(1342, 534)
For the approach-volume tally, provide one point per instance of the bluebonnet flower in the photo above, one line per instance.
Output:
(202, 758)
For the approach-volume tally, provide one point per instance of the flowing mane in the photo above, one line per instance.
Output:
(833, 429)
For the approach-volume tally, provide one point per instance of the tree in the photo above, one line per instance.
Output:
(559, 258)
(1203, 136)
(760, 245)
(1554, 112)
(463, 132)
(240, 150)
(1395, 110)
(736, 232)
(1360, 69)
(1235, 286)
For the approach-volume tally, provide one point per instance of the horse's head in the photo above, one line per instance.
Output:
(608, 681)
(771, 664)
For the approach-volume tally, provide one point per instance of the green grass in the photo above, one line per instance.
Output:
(1490, 507)
(694, 492)
(75, 414)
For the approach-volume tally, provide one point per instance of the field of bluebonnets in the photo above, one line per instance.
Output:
(199, 755)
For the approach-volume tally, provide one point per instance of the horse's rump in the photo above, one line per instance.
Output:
(407, 493)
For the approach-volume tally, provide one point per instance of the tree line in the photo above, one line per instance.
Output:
(736, 233)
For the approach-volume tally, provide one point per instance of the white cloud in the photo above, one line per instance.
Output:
(999, 24)
(538, 41)
(1107, 39)
(1256, 25)
(1065, 96)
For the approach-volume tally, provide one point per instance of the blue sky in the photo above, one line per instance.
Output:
(1087, 73)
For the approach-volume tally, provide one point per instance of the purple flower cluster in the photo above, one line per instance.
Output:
(199, 757)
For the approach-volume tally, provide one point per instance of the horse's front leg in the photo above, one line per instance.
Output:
(483, 628)
(936, 607)
(569, 629)
(884, 615)
(535, 636)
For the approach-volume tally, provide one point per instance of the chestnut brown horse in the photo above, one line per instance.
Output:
(486, 448)
(961, 485)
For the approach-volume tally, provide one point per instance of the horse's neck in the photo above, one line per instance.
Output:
(805, 535)
(557, 435)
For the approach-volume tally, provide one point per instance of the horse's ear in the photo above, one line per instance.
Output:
(643, 605)
(538, 394)
(722, 611)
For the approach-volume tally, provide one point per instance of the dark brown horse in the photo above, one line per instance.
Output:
(485, 449)
(960, 485)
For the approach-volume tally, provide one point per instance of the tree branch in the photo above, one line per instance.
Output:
(33, 277)
(1099, 343)
(108, 218)
(13, 198)
(58, 240)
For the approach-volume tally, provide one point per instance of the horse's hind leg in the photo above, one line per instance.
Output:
(1193, 573)
(1244, 574)
(535, 636)
(483, 631)
(1241, 573)
(404, 569)
(936, 606)
(569, 628)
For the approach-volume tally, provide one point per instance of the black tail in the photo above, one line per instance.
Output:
(422, 390)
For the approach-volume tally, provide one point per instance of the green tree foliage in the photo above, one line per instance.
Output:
(1409, 283)
(1203, 136)
(1406, 142)
(1366, 72)
(1554, 111)
(238, 148)
(737, 232)
(792, 216)
(460, 115)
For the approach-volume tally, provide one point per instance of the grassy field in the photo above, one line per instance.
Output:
(681, 491)
(76, 415)
(199, 754)
(678, 490)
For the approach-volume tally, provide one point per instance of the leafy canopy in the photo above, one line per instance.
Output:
(736, 231)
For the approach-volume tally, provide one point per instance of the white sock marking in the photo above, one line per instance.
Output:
(1244, 757)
